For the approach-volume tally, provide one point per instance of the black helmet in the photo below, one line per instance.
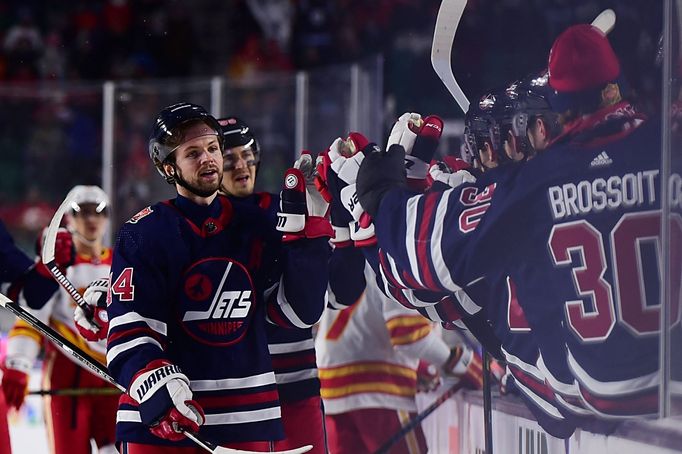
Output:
(167, 134)
(237, 133)
(531, 101)
(479, 127)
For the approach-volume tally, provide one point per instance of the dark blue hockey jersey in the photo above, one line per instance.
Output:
(13, 262)
(577, 230)
(192, 285)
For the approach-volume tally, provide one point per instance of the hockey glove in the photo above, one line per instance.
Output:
(441, 174)
(328, 184)
(165, 400)
(361, 227)
(15, 381)
(64, 251)
(428, 378)
(465, 364)
(94, 328)
(420, 137)
(302, 207)
(379, 172)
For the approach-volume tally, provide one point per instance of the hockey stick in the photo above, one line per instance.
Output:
(85, 360)
(487, 404)
(449, 15)
(76, 392)
(48, 258)
(605, 21)
(414, 422)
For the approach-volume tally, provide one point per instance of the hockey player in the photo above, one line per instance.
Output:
(368, 355)
(72, 422)
(292, 350)
(583, 309)
(192, 281)
(13, 265)
(369, 349)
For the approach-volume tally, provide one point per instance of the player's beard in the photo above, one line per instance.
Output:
(197, 187)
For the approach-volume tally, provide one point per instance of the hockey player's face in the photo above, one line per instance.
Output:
(89, 223)
(511, 148)
(537, 135)
(239, 171)
(199, 166)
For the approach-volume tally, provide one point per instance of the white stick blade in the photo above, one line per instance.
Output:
(47, 254)
(449, 15)
(605, 21)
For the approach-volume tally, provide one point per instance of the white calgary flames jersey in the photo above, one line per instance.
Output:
(362, 353)
(58, 312)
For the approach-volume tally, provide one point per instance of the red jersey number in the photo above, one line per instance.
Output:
(123, 286)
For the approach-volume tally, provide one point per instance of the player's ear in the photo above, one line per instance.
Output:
(542, 128)
(488, 153)
(169, 169)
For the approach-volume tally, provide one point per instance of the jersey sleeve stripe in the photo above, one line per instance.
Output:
(423, 242)
(267, 378)
(612, 388)
(410, 338)
(287, 310)
(441, 269)
(243, 417)
(411, 223)
(116, 350)
(464, 301)
(134, 317)
(389, 270)
(290, 347)
(292, 377)
(332, 302)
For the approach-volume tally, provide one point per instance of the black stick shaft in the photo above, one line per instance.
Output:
(487, 405)
(414, 422)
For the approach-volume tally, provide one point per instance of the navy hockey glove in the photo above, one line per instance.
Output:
(302, 208)
(94, 328)
(165, 400)
(379, 172)
(64, 251)
(419, 137)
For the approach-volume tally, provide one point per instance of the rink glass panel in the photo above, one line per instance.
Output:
(136, 183)
(50, 141)
(672, 100)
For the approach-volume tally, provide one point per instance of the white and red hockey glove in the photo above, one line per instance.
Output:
(419, 137)
(465, 364)
(165, 400)
(328, 185)
(303, 210)
(428, 377)
(64, 251)
(346, 167)
(442, 174)
(94, 328)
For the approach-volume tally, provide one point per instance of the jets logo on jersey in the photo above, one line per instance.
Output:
(217, 301)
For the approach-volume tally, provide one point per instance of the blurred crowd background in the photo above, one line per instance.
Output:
(55, 55)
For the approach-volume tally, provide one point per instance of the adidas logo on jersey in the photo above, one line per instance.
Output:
(601, 160)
